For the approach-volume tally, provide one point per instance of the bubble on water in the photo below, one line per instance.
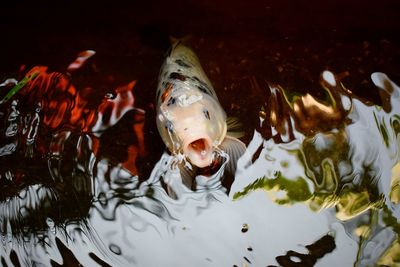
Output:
(80, 60)
(110, 95)
(50, 222)
(115, 249)
(295, 259)
(245, 228)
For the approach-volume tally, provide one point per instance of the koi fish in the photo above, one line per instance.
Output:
(190, 118)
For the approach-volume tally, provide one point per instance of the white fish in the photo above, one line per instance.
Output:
(190, 118)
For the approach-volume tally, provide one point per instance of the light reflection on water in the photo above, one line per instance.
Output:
(317, 185)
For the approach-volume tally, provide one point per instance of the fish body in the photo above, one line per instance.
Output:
(190, 118)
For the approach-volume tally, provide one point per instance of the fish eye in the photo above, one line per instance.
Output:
(169, 126)
(206, 113)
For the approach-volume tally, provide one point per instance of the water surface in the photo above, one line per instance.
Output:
(82, 183)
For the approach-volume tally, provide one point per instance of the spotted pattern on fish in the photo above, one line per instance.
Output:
(182, 63)
(202, 86)
(203, 89)
(177, 76)
(167, 91)
(171, 101)
(182, 69)
(188, 109)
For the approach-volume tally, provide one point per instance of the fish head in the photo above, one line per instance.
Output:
(192, 124)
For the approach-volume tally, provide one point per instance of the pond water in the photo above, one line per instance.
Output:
(82, 184)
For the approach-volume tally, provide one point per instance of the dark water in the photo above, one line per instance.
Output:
(82, 169)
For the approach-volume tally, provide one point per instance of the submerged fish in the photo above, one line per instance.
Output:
(190, 118)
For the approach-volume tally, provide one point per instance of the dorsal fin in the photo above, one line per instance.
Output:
(175, 42)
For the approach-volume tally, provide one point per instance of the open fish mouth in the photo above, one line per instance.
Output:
(199, 152)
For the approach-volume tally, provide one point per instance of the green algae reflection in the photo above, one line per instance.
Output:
(296, 190)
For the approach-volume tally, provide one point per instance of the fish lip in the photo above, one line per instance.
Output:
(194, 155)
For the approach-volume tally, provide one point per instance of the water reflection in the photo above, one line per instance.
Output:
(336, 154)
(318, 184)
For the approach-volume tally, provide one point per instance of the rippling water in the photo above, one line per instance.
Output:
(318, 185)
